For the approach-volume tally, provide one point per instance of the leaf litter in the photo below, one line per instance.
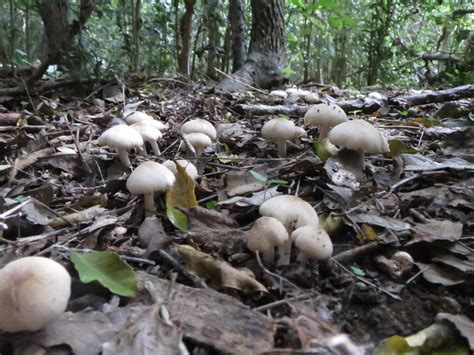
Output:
(200, 289)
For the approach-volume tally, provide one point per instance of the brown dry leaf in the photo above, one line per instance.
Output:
(23, 161)
(435, 230)
(438, 275)
(463, 324)
(214, 231)
(215, 319)
(219, 273)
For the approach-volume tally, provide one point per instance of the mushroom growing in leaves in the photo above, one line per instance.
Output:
(325, 116)
(293, 212)
(358, 137)
(33, 292)
(312, 242)
(280, 130)
(199, 126)
(199, 141)
(149, 134)
(187, 165)
(266, 234)
(148, 178)
(123, 138)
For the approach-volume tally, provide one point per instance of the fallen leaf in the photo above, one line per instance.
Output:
(463, 324)
(438, 275)
(436, 230)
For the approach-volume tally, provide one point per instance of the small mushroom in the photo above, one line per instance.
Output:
(199, 141)
(199, 126)
(325, 116)
(358, 137)
(123, 138)
(138, 116)
(293, 212)
(148, 178)
(149, 134)
(266, 234)
(312, 242)
(33, 292)
(187, 165)
(299, 133)
(280, 130)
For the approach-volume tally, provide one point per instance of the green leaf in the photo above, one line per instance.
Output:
(277, 182)
(292, 38)
(180, 195)
(357, 271)
(108, 269)
(211, 205)
(397, 147)
(258, 176)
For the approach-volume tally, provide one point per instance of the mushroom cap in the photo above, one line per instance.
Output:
(121, 136)
(325, 115)
(147, 131)
(290, 209)
(266, 233)
(199, 126)
(198, 140)
(358, 135)
(33, 292)
(150, 177)
(282, 94)
(313, 242)
(187, 165)
(299, 132)
(279, 129)
(137, 116)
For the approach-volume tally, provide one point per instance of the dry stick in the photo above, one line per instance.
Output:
(280, 302)
(349, 255)
(417, 274)
(279, 277)
(241, 82)
(196, 280)
(367, 282)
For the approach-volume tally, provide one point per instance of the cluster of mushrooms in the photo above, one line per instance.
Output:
(150, 177)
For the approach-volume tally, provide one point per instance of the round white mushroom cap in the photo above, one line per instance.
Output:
(198, 140)
(137, 116)
(325, 115)
(289, 209)
(147, 131)
(299, 132)
(279, 129)
(149, 177)
(199, 126)
(266, 233)
(33, 292)
(187, 165)
(358, 135)
(313, 242)
(121, 137)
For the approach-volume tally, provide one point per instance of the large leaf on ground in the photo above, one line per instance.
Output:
(181, 195)
(108, 269)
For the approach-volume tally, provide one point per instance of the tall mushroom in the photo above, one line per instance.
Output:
(293, 212)
(325, 116)
(149, 134)
(312, 242)
(33, 292)
(123, 138)
(280, 130)
(358, 137)
(266, 234)
(199, 125)
(148, 178)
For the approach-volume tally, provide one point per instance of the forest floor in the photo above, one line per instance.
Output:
(201, 288)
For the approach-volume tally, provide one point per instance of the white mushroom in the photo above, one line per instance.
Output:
(280, 130)
(187, 165)
(147, 178)
(122, 138)
(325, 116)
(299, 133)
(199, 126)
(293, 212)
(199, 141)
(312, 242)
(266, 234)
(33, 292)
(149, 134)
(358, 137)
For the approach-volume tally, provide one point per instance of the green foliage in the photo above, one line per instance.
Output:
(108, 269)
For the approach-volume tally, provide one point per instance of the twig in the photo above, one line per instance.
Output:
(280, 302)
(417, 274)
(351, 254)
(196, 280)
(240, 81)
(279, 277)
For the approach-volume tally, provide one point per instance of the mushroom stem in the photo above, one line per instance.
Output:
(353, 160)
(302, 258)
(149, 204)
(123, 155)
(268, 256)
(281, 144)
(156, 149)
(323, 131)
(143, 150)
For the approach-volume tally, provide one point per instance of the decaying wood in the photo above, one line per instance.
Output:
(40, 89)
(9, 118)
(459, 92)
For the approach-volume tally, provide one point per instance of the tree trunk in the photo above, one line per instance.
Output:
(185, 29)
(136, 10)
(212, 24)
(237, 26)
(266, 58)
(54, 14)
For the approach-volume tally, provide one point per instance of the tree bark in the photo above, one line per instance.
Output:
(185, 30)
(210, 16)
(54, 14)
(237, 26)
(264, 65)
